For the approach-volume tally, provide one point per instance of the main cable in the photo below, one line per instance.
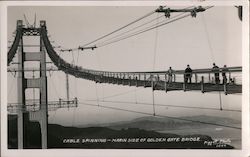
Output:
(142, 31)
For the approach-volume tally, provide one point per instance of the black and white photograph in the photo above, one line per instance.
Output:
(105, 77)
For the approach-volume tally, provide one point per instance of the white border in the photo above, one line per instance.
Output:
(125, 152)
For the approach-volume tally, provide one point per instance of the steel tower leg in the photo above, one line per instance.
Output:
(42, 115)
(22, 119)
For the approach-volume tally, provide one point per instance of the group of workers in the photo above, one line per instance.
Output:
(188, 74)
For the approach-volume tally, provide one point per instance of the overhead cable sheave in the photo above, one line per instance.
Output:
(160, 24)
(79, 48)
(192, 11)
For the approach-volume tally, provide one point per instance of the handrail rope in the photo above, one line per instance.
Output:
(174, 106)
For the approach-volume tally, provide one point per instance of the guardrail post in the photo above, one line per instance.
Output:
(202, 84)
(129, 80)
(230, 76)
(209, 77)
(144, 80)
(118, 78)
(76, 102)
(136, 82)
(60, 103)
(195, 75)
(165, 85)
(184, 86)
(225, 88)
(152, 84)
(174, 78)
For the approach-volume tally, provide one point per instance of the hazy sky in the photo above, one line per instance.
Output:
(214, 36)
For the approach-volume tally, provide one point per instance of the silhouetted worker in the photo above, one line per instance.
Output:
(170, 74)
(188, 74)
(216, 71)
(224, 76)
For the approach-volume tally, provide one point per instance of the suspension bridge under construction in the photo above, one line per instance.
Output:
(203, 80)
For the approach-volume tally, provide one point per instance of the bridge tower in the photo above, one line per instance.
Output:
(40, 116)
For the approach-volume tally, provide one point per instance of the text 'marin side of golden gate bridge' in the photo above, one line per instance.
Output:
(166, 81)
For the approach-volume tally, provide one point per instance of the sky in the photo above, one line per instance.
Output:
(213, 36)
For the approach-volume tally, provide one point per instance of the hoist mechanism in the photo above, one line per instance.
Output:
(63, 50)
(79, 48)
(192, 11)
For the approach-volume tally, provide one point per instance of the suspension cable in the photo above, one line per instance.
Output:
(148, 29)
(130, 30)
(144, 24)
(142, 31)
(148, 14)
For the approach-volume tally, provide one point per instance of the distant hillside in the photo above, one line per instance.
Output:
(161, 124)
(64, 137)
(58, 133)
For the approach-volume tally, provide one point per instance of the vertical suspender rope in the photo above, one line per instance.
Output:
(135, 96)
(153, 96)
(97, 97)
(73, 58)
(220, 101)
(208, 38)
(96, 90)
(211, 52)
(34, 92)
(155, 50)
(74, 110)
(100, 67)
(76, 92)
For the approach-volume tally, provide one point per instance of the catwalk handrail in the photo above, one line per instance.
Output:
(72, 69)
